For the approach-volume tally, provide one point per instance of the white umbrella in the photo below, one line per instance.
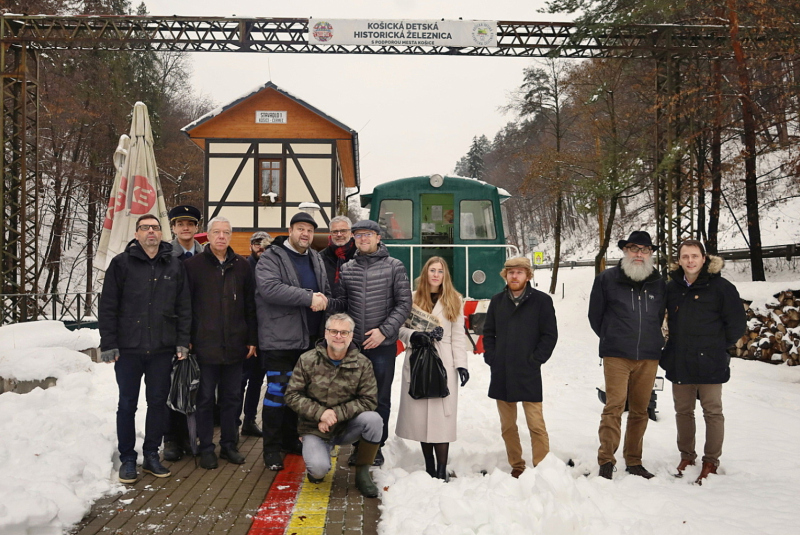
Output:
(136, 190)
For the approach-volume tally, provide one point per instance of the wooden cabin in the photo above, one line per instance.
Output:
(268, 152)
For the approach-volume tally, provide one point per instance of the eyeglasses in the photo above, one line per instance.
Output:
(343, 334)
(149, 227)
(361, 235)
(341, 232)
(635, 249)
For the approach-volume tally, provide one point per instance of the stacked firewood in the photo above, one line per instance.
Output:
(773, 335)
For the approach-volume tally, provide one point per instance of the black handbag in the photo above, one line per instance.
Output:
(428, 375)
(185, 381)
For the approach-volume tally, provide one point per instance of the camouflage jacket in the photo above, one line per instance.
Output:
(317, 385)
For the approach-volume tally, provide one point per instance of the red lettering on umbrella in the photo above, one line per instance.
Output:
(144, 196)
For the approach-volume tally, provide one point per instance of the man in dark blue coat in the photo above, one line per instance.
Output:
(224, 335)
(144, 319)
(705, 316)
(626, 310)
(519, 336)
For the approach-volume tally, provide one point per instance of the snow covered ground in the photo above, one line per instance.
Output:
(58, 448)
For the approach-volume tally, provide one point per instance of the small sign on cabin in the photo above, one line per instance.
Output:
(271, 117)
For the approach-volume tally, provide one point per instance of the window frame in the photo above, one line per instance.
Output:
(493, 236)
(262, 197)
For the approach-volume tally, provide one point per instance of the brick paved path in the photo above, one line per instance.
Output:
(225, 500)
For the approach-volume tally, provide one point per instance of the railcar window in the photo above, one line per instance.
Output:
(477, 220)
(396, 219)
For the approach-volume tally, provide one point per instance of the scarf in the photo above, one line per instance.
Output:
(343, 254)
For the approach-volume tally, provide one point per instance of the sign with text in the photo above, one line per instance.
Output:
(538, 258)
(271, 117)
(455, 33)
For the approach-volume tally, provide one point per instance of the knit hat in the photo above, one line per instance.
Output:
(303, 217)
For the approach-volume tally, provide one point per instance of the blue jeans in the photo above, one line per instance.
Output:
(228, 377)
(129, 370)
(383, 359)
(317, 451)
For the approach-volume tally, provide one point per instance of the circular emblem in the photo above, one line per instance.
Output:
(482, 34)
(323, 31)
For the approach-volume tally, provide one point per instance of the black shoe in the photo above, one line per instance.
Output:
(152, 465)
(273, 460)
(351, 461)
(250, 429)
(312, 479)
(232, 455)
(639, 470)
(441, 473)
(607, 470)
(172, 452)
(208, 460)
(378, 458)
(127, 472)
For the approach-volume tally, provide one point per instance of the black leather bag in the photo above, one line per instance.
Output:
(428, 376)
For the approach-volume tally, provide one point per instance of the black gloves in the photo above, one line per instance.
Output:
(420, 339)
(436, 333)
(464, 374)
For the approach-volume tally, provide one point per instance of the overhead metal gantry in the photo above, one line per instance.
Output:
(22, 38)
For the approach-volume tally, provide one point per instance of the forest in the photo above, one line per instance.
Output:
(602, 139)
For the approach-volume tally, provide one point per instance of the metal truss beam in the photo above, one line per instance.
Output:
(290, 35)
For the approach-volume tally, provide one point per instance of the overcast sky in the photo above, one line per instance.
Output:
(414, 115)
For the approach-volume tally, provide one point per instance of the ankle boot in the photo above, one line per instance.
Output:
(441, 473)
(364, 459)
(683, 465)
(708, 468)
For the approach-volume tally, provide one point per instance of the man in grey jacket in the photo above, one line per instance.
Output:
(377, 293)
(291, 296)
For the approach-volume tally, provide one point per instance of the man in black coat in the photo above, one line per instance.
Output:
(626, 310)
(144, 319)
(519, 336)
(223, 336)
(705, 316)
(341, 248)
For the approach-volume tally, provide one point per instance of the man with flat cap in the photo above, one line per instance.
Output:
(184, 222)
(626, 310)
(377, 296)
(291, 296)
(253, 370)
(519, 336)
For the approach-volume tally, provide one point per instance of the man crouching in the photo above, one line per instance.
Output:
(334, 393)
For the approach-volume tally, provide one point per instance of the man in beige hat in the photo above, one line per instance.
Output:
(519, 336)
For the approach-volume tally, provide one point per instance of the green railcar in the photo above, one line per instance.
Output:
(457, 218)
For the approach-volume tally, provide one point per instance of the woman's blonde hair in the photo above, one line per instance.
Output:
(449, 297)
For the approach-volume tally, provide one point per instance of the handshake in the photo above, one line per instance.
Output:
(319, 302)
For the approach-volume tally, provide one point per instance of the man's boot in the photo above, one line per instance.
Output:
(683, 465)
(172, 452)
(708, 468)
(364, 459)
(250, 428)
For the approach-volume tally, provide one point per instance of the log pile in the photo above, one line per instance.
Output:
(773, 335)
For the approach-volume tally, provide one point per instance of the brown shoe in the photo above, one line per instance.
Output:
(516, 472)
(683, 465)
(708, 468)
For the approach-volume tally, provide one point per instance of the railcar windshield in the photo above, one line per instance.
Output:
(477, 220)
(396, 218)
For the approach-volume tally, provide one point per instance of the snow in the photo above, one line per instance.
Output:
(58, 450)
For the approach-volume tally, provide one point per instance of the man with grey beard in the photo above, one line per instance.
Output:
(626, 310)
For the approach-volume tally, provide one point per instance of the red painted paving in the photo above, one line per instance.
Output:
(274, 514)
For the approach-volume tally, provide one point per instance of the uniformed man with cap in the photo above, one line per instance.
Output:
(292, 294)
(184, 222)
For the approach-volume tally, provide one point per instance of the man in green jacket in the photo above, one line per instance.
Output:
(334, 393)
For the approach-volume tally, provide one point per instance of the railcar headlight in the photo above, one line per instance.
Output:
(478, 276)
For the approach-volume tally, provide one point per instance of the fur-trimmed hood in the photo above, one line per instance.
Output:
(713, 265)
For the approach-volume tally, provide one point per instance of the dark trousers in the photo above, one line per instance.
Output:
(129, 370)
(252, 379)
(176, 429)
(279, 422)
(228, 378)
(383, 359)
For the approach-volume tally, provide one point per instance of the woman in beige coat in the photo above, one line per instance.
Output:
(432, 421)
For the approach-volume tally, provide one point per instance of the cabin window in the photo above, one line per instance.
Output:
(396, 219)
(477, 220)
(269, 181)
